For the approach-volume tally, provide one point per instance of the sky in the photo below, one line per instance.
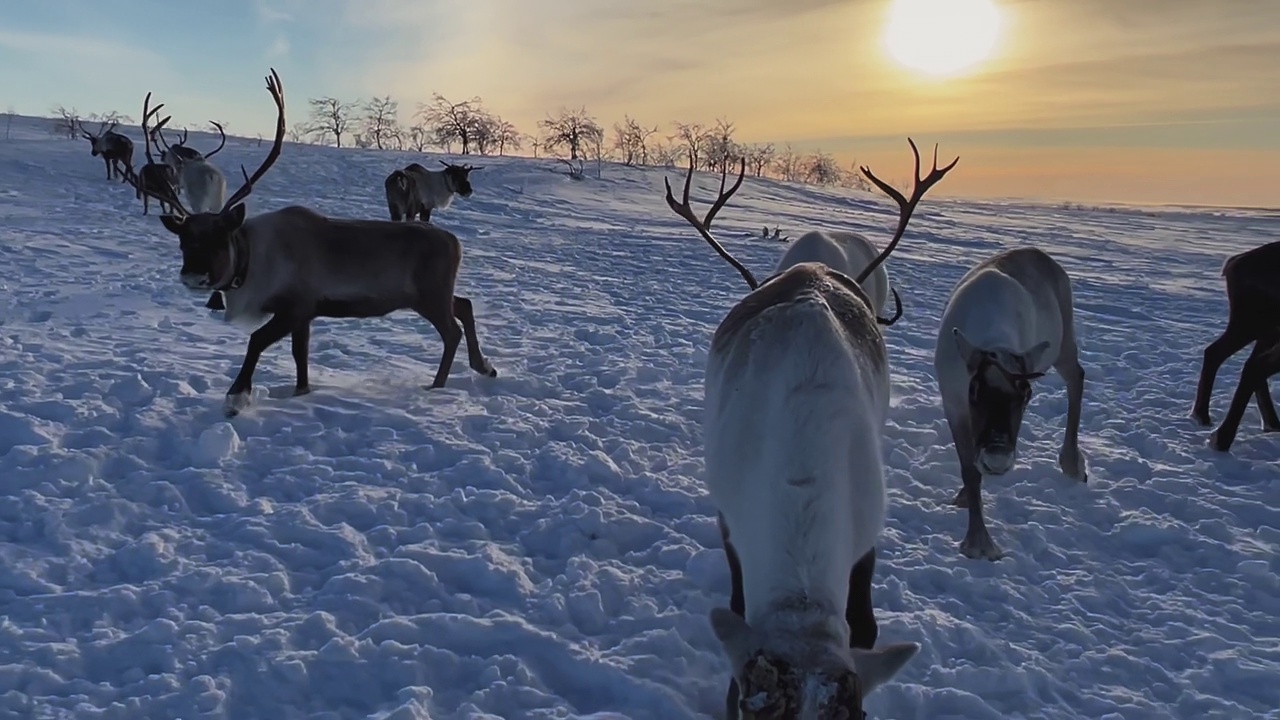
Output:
(1147, 101)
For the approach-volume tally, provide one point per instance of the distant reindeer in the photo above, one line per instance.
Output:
(1007, 321)
(116, 150)
(202, 182)
(157, 177)
(796, 399)
(1253, 316)
(294, 265)
(414, 191)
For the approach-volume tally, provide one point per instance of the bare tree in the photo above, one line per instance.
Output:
(690, 139)
(759, 157)
(9, 112)
(111, 117)
(507, 135)
(299, 132)
(665, 154)
(788, 164)
(330, 117)
(535, 142)
(720, 148)
(452, 122)
(574, 130)
(420, 137)
(852, 178)
(65, 122)
(380, 122)
(631, 140)
(820, 168)
(484, 133)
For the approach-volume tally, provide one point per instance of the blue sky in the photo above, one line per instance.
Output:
(1079, 97)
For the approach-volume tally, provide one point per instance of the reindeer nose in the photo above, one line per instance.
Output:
(997, 458)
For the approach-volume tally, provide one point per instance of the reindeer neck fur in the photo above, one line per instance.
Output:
(845, 252)
(797, 394)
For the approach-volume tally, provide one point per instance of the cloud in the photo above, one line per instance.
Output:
(82, 50)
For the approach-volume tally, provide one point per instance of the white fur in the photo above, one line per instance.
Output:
(432, 187)
(204, 186)
(1017, 306)
(846, 252)
(795, 410)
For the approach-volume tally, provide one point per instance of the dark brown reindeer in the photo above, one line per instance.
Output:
(158, 177)
(116, 150)
(295, 265)
(797, 396)
(1253, 316)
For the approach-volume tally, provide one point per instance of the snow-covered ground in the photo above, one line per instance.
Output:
(539, 545)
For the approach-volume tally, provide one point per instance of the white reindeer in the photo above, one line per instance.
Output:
(414, 191)
(796, 397)
(850, 253)
(1008, 320)
(203, 183)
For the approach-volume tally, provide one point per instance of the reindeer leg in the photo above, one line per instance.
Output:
(215, 302)
(463, 311)
(977, 541)
(737, 603)
(441, 317)
(261, 339)
(301, 342)
(1070, 459)
(1262, 363)
(1231, 341)
(859, 612)
(1266, 408)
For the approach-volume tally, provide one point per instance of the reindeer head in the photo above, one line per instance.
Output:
(214, 251)
(459, 177)
(213, 254)
(999, 391)
(792, 677)
(99, 142)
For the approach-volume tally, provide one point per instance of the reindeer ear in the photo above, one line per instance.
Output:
(233, 218)
(173, 223)
(968, 351)
(1032, 358)
(735, 635)
(877, 667)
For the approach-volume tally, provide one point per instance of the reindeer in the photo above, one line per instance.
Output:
(294, 265)
(157, 177)
(414, 191)
(1253, 316)
(796, 398)
(1006, 322)
(116, 150)
(202, 182)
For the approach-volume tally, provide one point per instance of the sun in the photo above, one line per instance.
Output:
(942, 37)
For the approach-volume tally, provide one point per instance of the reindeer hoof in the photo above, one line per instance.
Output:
(1200, 418)
(1270, 428)
(235, 403)
(1073, 466)
(300, 391)
(980, 546)
(1221, 441)
(215, 302)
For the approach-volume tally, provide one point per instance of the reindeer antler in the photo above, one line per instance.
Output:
(276, 88)
(906, 206)
(703, 226)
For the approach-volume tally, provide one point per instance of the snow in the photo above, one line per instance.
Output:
(540, 545)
